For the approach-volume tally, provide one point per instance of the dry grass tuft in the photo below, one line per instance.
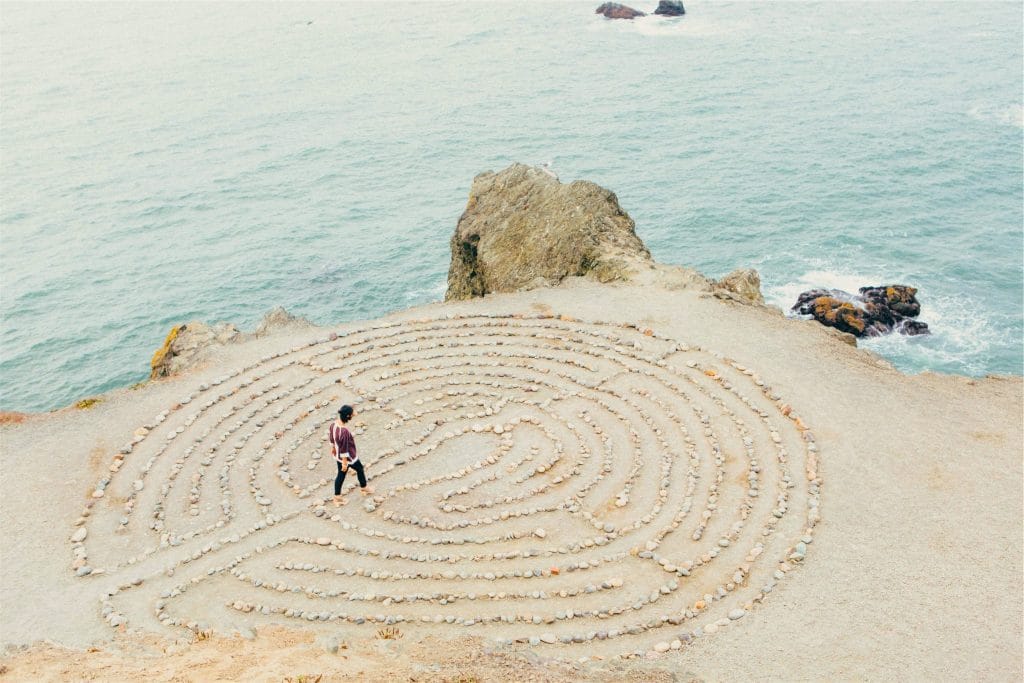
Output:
(201, 635)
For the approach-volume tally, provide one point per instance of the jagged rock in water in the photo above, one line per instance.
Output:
(898, 298)
(742, 284)
(279, 319)
(523, 229)
(872, 312)
(670, 8)
(614, 10)
(186, 344)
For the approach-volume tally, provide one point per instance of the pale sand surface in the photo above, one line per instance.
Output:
(915, 570)
(280, 654)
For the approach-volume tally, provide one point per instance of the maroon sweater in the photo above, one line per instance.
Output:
(343, 442)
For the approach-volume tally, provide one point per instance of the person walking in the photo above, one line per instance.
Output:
(343, 448)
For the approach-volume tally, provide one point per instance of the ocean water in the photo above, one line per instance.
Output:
(166, 162)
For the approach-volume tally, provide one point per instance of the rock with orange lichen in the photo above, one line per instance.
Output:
(872, 312)
(842, 315)
(161, 358)
(900, 299)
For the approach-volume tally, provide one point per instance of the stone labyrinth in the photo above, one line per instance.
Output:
(584, 488)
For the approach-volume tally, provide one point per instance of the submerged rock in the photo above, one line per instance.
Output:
(523, 229)
(614, 10)
(670, 8)
(872, 312)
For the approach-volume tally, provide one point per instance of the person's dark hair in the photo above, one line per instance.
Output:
(345, 413)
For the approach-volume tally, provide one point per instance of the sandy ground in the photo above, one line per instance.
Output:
(279, 654)
(915, 570)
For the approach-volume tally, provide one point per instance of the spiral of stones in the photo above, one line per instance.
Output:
(538, 480)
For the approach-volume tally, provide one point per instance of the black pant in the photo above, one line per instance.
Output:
(340, 479)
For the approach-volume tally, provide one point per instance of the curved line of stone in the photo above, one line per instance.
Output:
(368, 363)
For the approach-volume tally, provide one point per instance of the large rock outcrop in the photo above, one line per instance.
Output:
(522, 229)
(872, 312)
(614, 10)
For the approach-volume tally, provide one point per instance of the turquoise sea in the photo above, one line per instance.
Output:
(164, 162)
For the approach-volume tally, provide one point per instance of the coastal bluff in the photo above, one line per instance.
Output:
(192, 343)
(522, 229)
(640, 477)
